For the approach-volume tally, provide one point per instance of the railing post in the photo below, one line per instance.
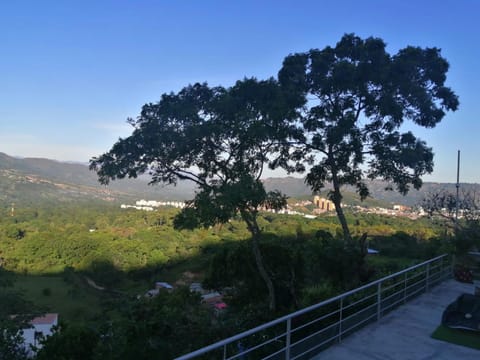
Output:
(379, 300)
(427, 278)
(405, 288)
(287, 345)
(441, 270)
(340, 321)
(452, 267)
(229, 346)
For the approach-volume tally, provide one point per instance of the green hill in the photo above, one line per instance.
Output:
(33, 180)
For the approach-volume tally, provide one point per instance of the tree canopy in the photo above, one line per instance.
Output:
(207, 135)
(354, 99)
(219, 138)
(339, 110)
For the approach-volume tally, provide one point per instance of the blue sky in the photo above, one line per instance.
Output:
(71, 72)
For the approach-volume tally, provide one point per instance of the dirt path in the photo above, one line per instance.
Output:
(93, 284)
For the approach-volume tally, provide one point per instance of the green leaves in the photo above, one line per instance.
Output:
(355, 97)
(220, 138)
(359, 94)
(219, 202)
(275, 200)
(339, 109)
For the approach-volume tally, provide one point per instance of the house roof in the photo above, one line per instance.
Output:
(47, 319)
(152, 292)
(163, 284)
(212, 295)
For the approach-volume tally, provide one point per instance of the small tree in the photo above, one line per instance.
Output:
(221, 139)
(13, 319)
(445, 205)
(464, 227)
(74, 342)
(355, 98)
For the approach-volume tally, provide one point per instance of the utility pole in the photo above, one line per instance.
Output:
(12, 212)
(458, 187)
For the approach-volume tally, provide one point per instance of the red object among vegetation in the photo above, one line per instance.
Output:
(463, 274)
(220, 306)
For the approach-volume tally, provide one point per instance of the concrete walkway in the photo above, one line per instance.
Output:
(405, 332)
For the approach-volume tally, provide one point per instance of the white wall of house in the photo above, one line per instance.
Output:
(41, 325)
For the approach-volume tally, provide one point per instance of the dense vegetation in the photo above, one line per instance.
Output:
(47, 240)
(51, 251)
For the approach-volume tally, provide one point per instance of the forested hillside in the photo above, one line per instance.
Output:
(34, 180)
(55, 254)
(48, 239)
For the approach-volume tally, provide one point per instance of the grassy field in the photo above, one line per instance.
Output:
(69, 294)
(460, 337)
(73, 299)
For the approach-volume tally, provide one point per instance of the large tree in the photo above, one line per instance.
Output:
(354, 99)
(219, 138)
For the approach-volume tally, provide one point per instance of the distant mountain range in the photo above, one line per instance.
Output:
(31, 180)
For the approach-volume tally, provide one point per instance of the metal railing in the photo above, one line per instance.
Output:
(304, 333)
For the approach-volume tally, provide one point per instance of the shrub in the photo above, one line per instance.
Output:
(47, 292)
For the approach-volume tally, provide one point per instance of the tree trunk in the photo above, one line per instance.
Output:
(337, 200)
(291, 287)
(263, 273)
(255, 231)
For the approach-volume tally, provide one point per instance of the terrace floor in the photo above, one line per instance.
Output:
(405, 332)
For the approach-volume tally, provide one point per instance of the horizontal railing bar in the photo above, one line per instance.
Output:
(323, 317)
(392, 286)
(359, 311)
(258, 346)
(417, 275)
(359, 323)
(305, 310)
(392, 304)
(237, 356)
(416, 291)
(315, 334)
(275, 353)
(315, 347)
(359, 301)
(325, 341)
(392, 295)
(440, 278)
(416, 283)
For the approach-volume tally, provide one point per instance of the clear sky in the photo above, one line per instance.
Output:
(71, 72)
